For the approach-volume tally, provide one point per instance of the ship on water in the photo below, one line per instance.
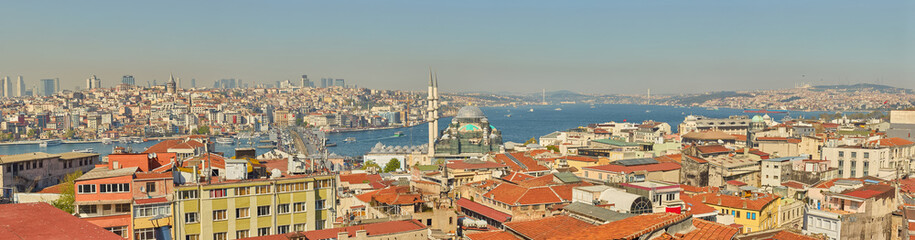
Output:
(751, 110)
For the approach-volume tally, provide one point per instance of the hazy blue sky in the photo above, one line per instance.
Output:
(594, 47)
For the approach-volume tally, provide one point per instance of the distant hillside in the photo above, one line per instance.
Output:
(709, 96)
(859, 86)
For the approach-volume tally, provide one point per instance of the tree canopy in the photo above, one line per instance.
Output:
(392, 165)
(67, 193)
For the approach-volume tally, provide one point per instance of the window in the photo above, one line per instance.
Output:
(854, 155)
(187, 194)
(853, 164)
(192, 237)
(114, 188)
(867, 155)
(841, 153)
(299, 206)
(217, 193)
(86, 188)
(150, 210)
(289, 187)
(241, 191)
(219, 236)
(263, 211)
(190, 217)
(264, 231)
(671, 197)
(150, 187)
(282, 208)
(122, 208)
(120, 231)
(282, 229)
(88, 209)
(737, 214)
(319, 204)
(323, 183)
(145, 234)
(242, 213)
(241, 234)
(262, 189)
(299, 227)
(841, 163)
(219, 215)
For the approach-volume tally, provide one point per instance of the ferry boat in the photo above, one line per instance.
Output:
(750, 110)
(52, 142)
(508, 115)
(532, 110)
(558, 109)
(349, 140)
(86, 150)
(107, 141)
(398, 134)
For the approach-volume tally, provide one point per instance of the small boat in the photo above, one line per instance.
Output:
(86, 150)
(107, 141)
(508, 115)
(592, 106)
(398, 134)
(532, 110)
(349, 140)
(558, 109)
(225, 140)
(647, 111)
(43, 144)
(712, 108)
(330, 145)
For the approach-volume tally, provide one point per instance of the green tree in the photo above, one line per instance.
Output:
(203, 129)
(65, 202)
(370, 164)
(553, 148)
(70, 133)
(392, 165)
(31, 133)
(532, 140)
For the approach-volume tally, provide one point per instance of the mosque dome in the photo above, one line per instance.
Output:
(757, 118)
(470, 112)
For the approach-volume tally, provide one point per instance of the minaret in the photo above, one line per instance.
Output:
(435, 113)
(430, 111)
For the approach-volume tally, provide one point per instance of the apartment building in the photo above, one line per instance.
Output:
(882, 158)
(258, 207)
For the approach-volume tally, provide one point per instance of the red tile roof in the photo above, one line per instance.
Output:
(695, 206)
(544, 180)
(399, 195)
(629, 228)
(891, 142)
(516, 177)
(529, 164)
(871, 191)
(548, 227)
(358, 178)
(736, 183)
(709, 230)
(461, 164)
(794, 184)
(717, 199)
(40, 221)
(657, 167)
(492, 235)
(372, 229)
(483, 210)
(712, 149)
(512, 194)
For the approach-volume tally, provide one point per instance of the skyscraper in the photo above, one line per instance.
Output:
(48, 87)
(193, 83)
(339, 83)
(305, 82)
(128, 79)
(323, 82)
(93, 82)
(7, 87)
(21, 89)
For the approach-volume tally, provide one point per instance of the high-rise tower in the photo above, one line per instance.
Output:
(93, 82)
(171, 86)
(21, 88)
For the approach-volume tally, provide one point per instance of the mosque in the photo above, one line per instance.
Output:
(469, 134)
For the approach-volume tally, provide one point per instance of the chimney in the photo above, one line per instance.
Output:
(362, 234)
(342, 235)
(744, 204)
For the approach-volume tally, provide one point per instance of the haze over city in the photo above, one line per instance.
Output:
(591, 47)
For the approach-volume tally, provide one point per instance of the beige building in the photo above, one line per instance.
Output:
(37, 170)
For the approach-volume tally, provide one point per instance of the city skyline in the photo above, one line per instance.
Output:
(621, 47)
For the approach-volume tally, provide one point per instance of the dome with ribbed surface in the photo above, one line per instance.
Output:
(470, 112)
